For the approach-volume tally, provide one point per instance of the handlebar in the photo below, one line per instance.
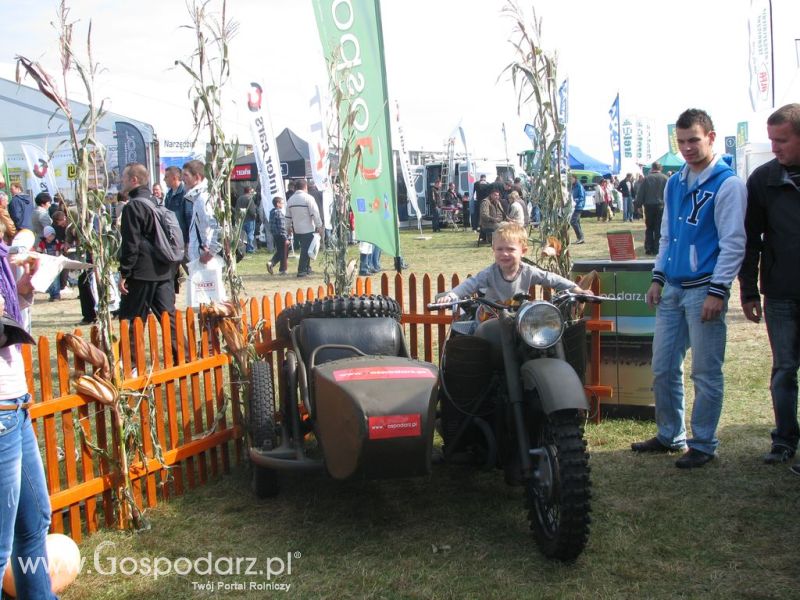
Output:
(556, 300)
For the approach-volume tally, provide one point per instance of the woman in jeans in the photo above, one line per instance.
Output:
(25, 509)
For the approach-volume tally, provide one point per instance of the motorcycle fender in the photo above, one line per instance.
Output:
(557, 383)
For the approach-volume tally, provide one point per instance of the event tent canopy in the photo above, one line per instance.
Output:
(29, 116)
(669, 162)
(581, 161)
(292, 152)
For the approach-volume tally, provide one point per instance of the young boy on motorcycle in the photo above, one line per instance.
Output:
(508, 275)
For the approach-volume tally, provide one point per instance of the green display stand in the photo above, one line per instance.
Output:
(626, 353)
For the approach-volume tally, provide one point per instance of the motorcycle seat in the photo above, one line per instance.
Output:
(380, 336)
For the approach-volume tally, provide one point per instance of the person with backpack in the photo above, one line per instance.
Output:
(147, 257)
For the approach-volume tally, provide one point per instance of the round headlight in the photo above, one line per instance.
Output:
(539, 324)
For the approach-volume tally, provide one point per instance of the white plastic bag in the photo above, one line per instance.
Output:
(205, 283)
(313, 248)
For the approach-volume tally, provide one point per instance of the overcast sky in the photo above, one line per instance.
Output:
(443, 59)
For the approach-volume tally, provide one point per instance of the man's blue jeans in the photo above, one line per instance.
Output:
(249, 228)
(783, 325)
(575, 221)
(678, 327)
(25, 509)
(627, 208)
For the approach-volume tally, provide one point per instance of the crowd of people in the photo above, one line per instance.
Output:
(705, 226)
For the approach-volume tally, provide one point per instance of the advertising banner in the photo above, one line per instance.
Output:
(627, 140)
(762, 82)
(405, 166)
(613, 127)
(130, 145)
(318, 142)
(39, 165)
(265, 150)
(351, 35)
(5, 179)
(563, 119)
(672, 135)
(742, 134)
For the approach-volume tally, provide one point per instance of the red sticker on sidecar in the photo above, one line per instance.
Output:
(392, 426)
(368, 373)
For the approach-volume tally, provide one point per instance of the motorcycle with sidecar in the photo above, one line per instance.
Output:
(508, 397)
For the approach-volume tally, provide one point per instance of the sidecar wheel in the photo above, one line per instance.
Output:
(336, 307)
(558, 502)
(263, 432)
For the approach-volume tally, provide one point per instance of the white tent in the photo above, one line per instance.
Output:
(29, 116)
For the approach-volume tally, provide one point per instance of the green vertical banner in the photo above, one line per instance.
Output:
(672, 134)
(741, 133)
(351, 35)
(5, 181)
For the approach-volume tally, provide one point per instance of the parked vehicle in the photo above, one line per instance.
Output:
(512, 397)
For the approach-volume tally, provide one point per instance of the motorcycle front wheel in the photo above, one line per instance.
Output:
(558, 499)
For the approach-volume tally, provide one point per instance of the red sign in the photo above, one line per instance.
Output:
(371, 373)
(242, 173)
(620, 245)
(393, 426)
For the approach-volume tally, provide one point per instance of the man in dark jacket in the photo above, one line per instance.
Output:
(482, 189)
(772, 223)
(246, 208)
(651, 196)
(145, 284)
(20, 207)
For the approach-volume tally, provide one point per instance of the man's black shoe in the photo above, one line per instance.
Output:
(778, 454)
(693, 459)
(651, 445)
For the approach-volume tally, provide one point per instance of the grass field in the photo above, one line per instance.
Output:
(728, 530)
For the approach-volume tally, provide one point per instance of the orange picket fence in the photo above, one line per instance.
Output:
(192, 426)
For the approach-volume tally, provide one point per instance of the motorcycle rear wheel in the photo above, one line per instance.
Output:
(559, 512)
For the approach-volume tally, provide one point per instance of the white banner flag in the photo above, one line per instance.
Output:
(405, 166)
(39, 166)
(318, 142)
(761, 76)
(266, 152)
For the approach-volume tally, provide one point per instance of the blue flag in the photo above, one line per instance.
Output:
(613, 127)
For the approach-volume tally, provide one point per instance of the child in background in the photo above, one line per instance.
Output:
(51, 246)
(508, 275)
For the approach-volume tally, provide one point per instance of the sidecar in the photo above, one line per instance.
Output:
(348, 383)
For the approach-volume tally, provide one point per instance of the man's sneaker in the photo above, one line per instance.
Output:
(270, 270)
(778, 454)
(580, 242)
(795, 468)
(651, 445)
(693, 459)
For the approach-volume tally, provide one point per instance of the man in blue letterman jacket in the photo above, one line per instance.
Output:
(701, 248)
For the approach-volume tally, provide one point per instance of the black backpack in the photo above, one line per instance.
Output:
(168, 245)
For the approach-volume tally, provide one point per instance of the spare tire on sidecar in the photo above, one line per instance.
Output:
(348, 378)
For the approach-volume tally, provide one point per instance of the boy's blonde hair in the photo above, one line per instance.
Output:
(511, 232)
